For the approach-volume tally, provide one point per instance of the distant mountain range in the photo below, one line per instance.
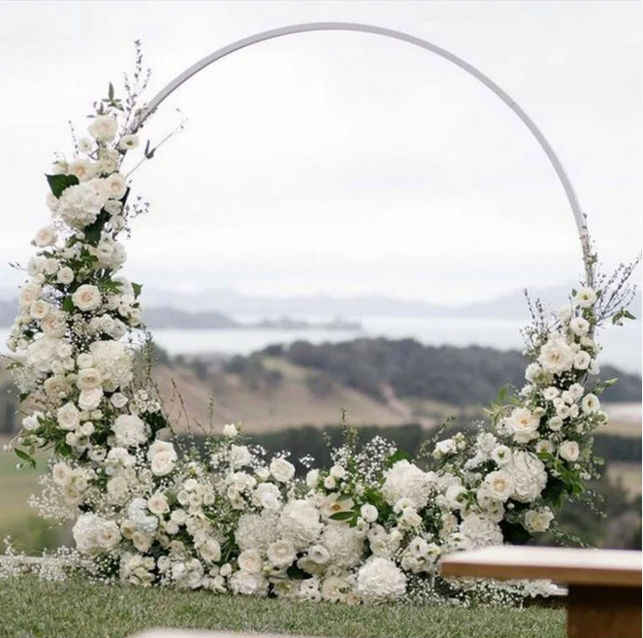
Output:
(215, 308)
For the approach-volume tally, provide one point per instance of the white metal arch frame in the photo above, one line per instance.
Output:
(579, 217)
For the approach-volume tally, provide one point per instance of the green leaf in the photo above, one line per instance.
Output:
(137, 289)
(93, 231)
(343, 516)
(58, 183)
(25, 457)
(110, 91)
(68, 304)
(398, 455)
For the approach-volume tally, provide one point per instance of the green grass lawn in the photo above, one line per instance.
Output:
(30, 608)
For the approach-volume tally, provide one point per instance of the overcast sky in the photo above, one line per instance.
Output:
(343, 162)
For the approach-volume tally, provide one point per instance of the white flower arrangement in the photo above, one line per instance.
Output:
(368, 529)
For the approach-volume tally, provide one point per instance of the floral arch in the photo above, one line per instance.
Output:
(371, 528)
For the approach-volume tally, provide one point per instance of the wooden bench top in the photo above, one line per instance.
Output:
(563, 565)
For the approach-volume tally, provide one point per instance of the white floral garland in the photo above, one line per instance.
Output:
(372, 528)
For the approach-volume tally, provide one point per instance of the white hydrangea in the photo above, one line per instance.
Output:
(79, 205)
(380, 580)
(94, 534)
(480, 531)
(114, 362)
(528, 474)
(406, 480)
(256, 531)
(129, 430)
(344, 543)
(299, 522)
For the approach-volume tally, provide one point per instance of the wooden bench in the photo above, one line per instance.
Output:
(604, 599)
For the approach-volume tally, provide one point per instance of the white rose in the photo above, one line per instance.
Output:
(83, 169)
(585, 297)
(523, 424)
(210, 551)
(282, 470)
(579, 326)
(128, 142)
(39, 309)
(162, 457)
(250, 561)
(500, 485)
(115, 186)
(61, 473)
(86, 298)
(582, 360)
(65, 275)
(45, 237)
(369, 513)
(89, 400)
(590, 404)
(569, 450)
(68, 417)
(239, 456)
(28, 294)
(556, 356)
(103, 128)
(89, 378)
(538, 520)
(281, 553)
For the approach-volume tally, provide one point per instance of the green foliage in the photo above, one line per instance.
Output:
(58, 183)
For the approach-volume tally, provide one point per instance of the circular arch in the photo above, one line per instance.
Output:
(570, 193)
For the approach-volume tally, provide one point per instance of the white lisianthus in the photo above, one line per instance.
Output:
(500, 485)
(130, 430)
(501, 454)
(90, 399)
(532, 371)
(380, 580)
(68, 417)
(585, 297)
(590, 404)
(319, 555)
(555, 423)
(45, 237)
(65, 275)
(456, 496)
(85, 145)
(544, 446)
(103, 128)
(335, 589)
(579, 326)
(115, 186)
(282, 470)
(576, 391)
(556, 356)
(281, 554)
(128, 142)
(569, 451)
(538, 520)
(551, 393)
(87, 298)
(582, 360)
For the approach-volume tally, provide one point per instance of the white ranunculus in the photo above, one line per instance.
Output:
(45, 237)
(80, 205)
(538, 520)
(590, 404)
(500, 485)
(380, 580)
(115, 186)
(281, 554)
(90, 399)
(282, 470)
(68, 417)
(569, 450)
(585, 297)
(65, 275)
(582, 360)
(556, 356)
(130, 430)
(523, 424)
(86, 298)
(128, 142)
(103, 128)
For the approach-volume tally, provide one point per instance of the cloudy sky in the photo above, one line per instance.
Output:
(343, 162)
